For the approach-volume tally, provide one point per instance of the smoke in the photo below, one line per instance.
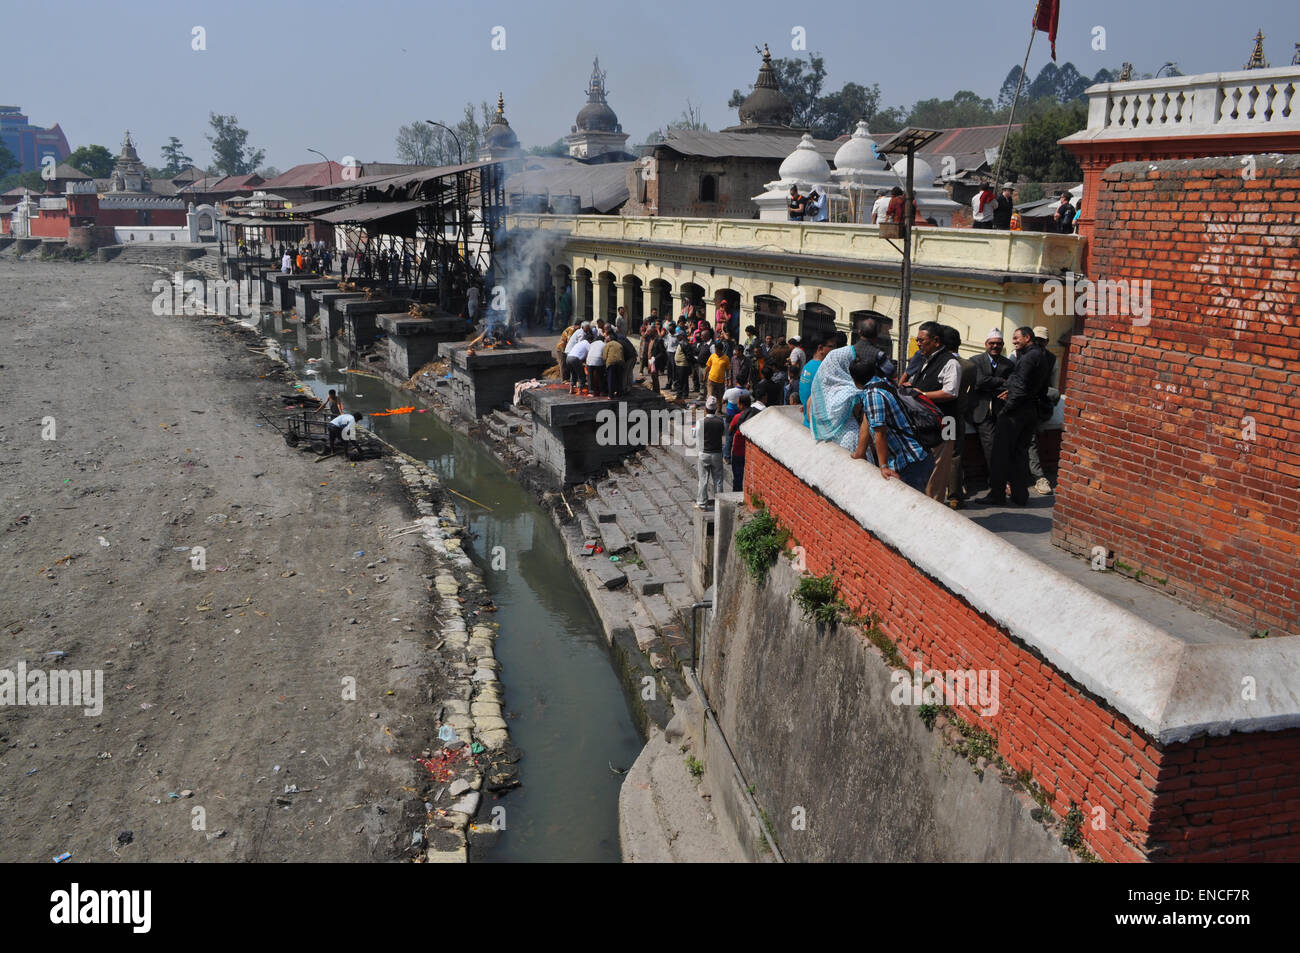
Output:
(526, 261)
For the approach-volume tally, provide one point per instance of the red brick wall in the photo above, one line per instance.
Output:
(51, 223)
(1158, 464)
(1236, 797)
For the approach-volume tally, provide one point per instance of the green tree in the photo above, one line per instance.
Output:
(964, 109)
(471, 131)
(175, 161)
(838, 113)
(1033, 154)
(231, 153)
(8, 161)
(29, 180)
(95, 161)
(418, 143)
(556, 148)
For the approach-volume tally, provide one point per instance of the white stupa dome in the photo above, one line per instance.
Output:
(805, 164)
(858, 152)
(922, 172)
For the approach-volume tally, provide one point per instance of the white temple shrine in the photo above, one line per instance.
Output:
(805, 168)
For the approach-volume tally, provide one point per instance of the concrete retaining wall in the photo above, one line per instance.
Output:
(842, 773)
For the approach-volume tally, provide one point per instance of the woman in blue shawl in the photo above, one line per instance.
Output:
(831, 401)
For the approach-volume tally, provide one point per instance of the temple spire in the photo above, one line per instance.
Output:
(1257, 55)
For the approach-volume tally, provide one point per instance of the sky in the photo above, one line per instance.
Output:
(341, 78)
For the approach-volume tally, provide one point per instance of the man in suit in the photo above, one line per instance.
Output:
(1025, 394)
(965, 388)
(992, 369)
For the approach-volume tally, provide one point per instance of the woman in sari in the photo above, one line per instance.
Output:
(832, 399)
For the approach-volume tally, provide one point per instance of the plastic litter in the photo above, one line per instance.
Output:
(66, 855)
(173, 795)
(447, 734)
(55, 655)
(477, 748)
(358, 554)
(125, 837)
(613, 559)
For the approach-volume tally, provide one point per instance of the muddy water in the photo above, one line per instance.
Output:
(564, 704)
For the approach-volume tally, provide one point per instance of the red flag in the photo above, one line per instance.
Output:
(1046, 17)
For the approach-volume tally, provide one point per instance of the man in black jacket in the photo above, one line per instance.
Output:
(939, 379)
(992, 368)
(1026, 392)
(1003, 208)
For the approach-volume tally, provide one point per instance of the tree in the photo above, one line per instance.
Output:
(8, 161)
(29, 180)
(1033, 154)
(964, 109)
(417, 144)
(838, 113)
(268, 172)
(231, 153)
(556, 148)
(1007, 94)
(175, 161)
(471, 131)
(96, 161)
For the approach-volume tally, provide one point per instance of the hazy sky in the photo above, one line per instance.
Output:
(342, 77)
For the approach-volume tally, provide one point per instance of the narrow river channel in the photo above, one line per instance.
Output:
(565, 707)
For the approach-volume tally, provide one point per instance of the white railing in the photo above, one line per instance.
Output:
(1266, 100)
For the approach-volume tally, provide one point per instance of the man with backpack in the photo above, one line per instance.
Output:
(886, 435)
(939, 380)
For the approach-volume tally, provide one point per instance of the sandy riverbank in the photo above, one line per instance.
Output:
(228, 682)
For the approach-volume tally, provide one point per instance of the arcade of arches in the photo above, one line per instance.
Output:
(805, 296)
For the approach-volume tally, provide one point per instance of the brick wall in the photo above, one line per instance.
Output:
(1182, 442)
(1230, 798)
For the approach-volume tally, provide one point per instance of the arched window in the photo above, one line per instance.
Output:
(708, 189)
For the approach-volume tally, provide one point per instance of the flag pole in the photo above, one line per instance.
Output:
(1019, 83)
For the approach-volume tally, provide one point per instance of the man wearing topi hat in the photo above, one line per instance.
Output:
(991, 371)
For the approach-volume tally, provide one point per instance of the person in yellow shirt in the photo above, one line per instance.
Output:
(718, 366)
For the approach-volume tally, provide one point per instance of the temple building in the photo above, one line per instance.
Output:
(596, 134)
(767, 108)
(500, 144)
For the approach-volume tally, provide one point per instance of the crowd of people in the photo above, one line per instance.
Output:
(304, 258)
(910, 422)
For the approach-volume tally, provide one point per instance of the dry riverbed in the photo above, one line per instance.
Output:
(227, 686)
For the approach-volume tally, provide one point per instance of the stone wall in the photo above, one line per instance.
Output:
(1181, 450)
(842, 772)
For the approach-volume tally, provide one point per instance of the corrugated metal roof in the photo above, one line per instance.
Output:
(748, 145)
(407, 179)
(369, 212)
(599, 186)
(311, 208)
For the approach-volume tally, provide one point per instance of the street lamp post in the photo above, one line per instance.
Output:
(329, 166)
